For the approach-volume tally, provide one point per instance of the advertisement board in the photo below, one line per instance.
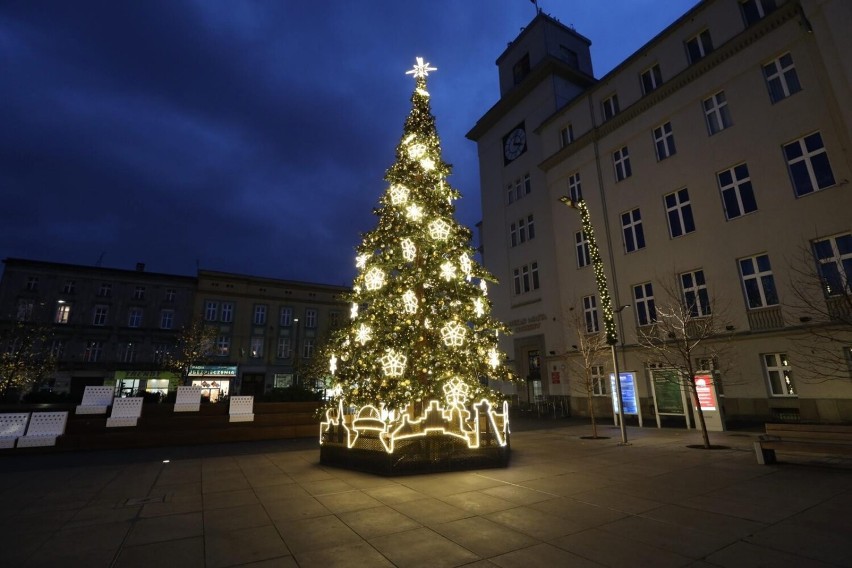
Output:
(628, 393)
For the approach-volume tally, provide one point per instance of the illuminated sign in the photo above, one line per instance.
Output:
(706, 392)
(628, 393)
(213, 371)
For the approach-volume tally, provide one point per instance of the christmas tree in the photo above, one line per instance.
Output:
(413, 360)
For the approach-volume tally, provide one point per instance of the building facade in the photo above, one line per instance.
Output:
(715, 163)
(268, 330)
(105, 325)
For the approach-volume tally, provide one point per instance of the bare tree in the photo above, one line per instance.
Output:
(25, 359)
(821, 301)
(591, 351)
(195, 346)
(686, 330)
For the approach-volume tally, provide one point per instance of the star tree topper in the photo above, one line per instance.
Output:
(421, 69)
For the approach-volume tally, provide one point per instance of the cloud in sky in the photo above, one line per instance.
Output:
(247, 136)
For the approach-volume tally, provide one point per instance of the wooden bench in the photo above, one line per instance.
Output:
(803, 438)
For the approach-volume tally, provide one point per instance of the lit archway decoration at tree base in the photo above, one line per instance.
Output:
(433, 436)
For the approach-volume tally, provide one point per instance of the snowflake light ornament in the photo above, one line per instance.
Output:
(448, 271)
(478, 307)
(353, 311)
(414, 212)
(439, 230)
(421, 69)
(393, 363)
(484, 287)
(416, 151)
(409, 251)
(409, 301)
(455, 392)
(361, 260)
(374, 279)
(427, 164)
(493, 358)
(332, 363)
(453, 334)
(364, 334)
(398, 194)
(466, 264)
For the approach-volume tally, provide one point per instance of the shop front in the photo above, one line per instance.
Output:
(134, 383)
(215, 381)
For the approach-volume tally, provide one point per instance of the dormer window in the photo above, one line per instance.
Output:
(521, 68)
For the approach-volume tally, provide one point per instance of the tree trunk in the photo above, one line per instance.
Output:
(694, 392)
(592, 415)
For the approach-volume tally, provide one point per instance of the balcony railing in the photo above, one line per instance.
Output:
(765, 318)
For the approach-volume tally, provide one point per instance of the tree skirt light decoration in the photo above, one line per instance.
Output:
(409, 369)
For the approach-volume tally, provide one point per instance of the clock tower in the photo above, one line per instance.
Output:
(541, 70)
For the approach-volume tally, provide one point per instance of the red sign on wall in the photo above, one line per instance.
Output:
(554, 377)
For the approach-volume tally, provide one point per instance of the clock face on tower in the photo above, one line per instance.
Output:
(514, 144)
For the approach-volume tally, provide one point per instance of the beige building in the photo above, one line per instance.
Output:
(267, 330)
(710, 160)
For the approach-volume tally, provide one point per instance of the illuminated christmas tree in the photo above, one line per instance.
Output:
(410, 367)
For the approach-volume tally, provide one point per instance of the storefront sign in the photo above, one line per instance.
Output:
(213, 371)
(706, 392)
(628, 393)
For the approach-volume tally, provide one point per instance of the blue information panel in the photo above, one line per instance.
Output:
(628, 393)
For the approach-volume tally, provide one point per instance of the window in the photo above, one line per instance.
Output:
(781, 78)
(513, 234)
(599, 382)
(834, 261)
(582, 243)
(779, 374)
(808, 164)
(737, 193)
(105, 290)
(716, 112)
(530, 227)
(93, 351)
(308, 348)
(170, 294)
(127, 353)
(286, 317)
(758, 281)
(310, 317)
(139, 293)
(57, 348)
(333, 319)
(161, 352)
(566, 135)
(610, 107)
(699, 46)
(756, 10)
(32, 283)
(575, 189)
(646, 309)
(25, 310)
(631, 228)
(100, 315)
(664, 141)
(651, 79)
(223, 346)
(526, 278)
(259, 314)
(69, 286)
(134, 318)
(167, 319)
(679, 212)
(695, 293)
(569, 56)
(519, 189)
(521, 69)
(256, 348)
(522, 230)
(227, 312)
(284, 347)
(621, 161)
(211, 310)
(590, 313)
(63, 312)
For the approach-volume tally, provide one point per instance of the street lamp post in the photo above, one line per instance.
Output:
(606, 301)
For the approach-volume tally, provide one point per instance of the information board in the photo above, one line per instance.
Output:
(628, 393)
(667, 390)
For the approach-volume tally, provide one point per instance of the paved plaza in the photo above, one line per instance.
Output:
(563, 501)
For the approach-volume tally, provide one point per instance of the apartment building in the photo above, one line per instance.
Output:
(709, 160)
(106, 325)
(268, 329)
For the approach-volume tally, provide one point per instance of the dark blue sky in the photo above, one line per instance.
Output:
(243, 136)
